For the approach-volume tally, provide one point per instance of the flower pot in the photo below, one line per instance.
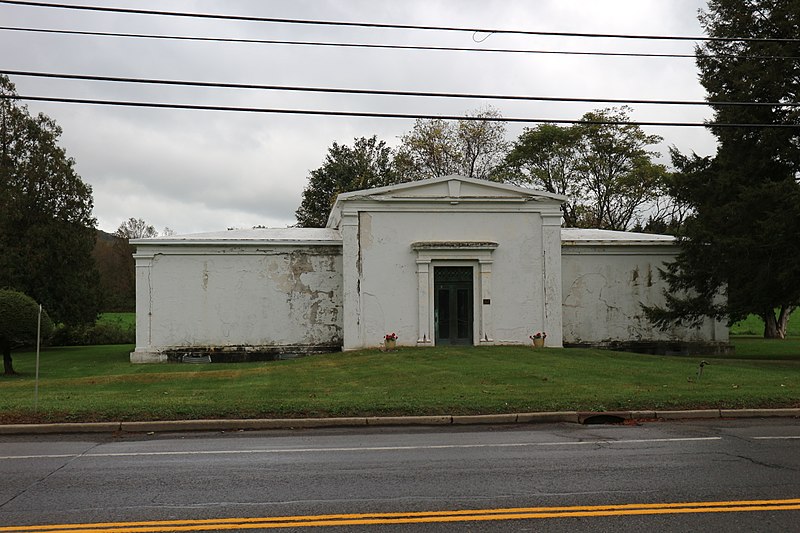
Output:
(389, 344)
(538, 342)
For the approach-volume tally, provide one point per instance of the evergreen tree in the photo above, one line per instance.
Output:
(741, 240)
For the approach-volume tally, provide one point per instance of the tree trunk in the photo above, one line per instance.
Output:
(7, 366)
(775, 327)
(783, 319)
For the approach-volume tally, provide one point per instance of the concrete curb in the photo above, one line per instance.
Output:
(485, 419)
(77, 427)
(573, 417)
(409, 420)
(683, 415)
(548, 418)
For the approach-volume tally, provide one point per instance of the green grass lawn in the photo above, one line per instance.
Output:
(98, 383)
(753, 325)
(768, 349)
(121, 320)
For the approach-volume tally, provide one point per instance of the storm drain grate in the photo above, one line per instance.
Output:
(603, 419)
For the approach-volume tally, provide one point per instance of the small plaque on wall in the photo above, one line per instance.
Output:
(487, 301)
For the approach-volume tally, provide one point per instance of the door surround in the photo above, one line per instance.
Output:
(475, 254)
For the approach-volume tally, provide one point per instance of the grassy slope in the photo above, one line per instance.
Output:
(772, 349)
(98, 383)
(753, 325)
(122, 320)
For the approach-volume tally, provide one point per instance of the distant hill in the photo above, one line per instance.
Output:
(105, 236)
(114, 260)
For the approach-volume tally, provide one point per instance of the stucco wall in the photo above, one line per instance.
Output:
(388, 282)
(604, 288)
(232, 296)
(372, 272)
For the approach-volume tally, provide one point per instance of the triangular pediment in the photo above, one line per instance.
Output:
(451, 187)
(452, 190)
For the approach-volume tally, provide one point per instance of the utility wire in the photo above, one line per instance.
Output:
(364, 114)
(222, 85)
(380, 46)
(389, 26)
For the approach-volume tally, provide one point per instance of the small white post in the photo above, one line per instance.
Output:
(38, 345)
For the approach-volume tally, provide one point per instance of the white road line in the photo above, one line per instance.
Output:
(53, 456)
(788, 437)
(364, 448)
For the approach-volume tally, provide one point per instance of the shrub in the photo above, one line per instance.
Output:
(19, 318)
(98, 333)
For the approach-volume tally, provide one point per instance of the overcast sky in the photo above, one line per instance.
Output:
(205, 170)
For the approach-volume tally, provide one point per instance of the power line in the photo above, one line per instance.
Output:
(365, 114)
(389, 26)
(337, 44)
(375, 92)
(378, 46)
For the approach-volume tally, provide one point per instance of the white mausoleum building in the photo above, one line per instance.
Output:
(449, 260)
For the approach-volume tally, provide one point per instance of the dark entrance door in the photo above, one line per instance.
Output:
(452, 306)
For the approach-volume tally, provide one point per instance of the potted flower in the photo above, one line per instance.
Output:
(390, 341)
(538, 339)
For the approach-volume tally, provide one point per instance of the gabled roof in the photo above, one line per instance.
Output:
(452, 189)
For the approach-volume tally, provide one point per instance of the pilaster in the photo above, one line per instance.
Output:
(424, 336)
(551, 278)
(351, 282)
(144, 353)
(487, 315)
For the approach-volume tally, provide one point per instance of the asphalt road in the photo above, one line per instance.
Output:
(741, 475)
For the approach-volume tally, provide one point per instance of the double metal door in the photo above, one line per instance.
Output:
(453, 305)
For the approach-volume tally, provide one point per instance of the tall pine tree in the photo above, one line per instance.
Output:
(741, 241)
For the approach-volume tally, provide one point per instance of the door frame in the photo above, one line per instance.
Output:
(473, 289)
(475, 254)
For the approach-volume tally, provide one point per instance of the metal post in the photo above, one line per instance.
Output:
(38, 344)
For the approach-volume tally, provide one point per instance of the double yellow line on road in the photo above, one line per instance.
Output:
(471, 515)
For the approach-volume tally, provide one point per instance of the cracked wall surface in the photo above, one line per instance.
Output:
(373, 272)
(388, 280)
(229, 296)
(604, 288)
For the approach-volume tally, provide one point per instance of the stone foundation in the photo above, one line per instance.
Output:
(660, 347)
(231, 354)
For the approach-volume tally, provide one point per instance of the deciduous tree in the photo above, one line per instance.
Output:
(436, 147)
(46, 224)
(367, 164)
(547, 158)
(606, 170)
(135, 228)
(617, 169)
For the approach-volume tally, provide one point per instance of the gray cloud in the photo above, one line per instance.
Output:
(204, 171)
